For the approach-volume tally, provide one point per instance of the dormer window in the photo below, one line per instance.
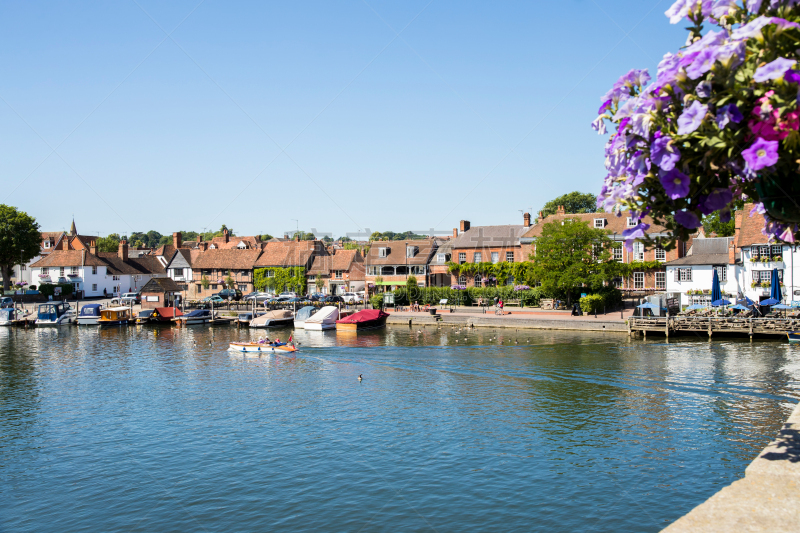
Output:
(631, 222)
(411, 251)
(213, 246)
(46, 244)
(383, 252)
(441, 258)
(599, 223)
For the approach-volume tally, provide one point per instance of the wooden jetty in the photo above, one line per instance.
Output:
(712, 325)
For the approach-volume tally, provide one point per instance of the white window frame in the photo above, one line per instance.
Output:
(510, 257)
(722, 273)
(462, 280)
(94, 287)
(661, 254)
(337, 274)
(631, 223)
(94, 270)
(683, 274)
(462, 258)
(477, 257)
(270, 273)
(495, 257)
(61, 271)
(638, 251)
(45, 271)
(383, 251)
(638, 280)
(46, 244)
(114, 278)
(618, 254)
(73, 270)
(599, 223)
(441, 258)
(661, 280)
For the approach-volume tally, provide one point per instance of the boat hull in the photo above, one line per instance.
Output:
(319, 326)
(61, 321)
(794, 337)
(273, 323)
(194, 321)
(87, 320)
(124, 322)
(362, 326)
(254, 347)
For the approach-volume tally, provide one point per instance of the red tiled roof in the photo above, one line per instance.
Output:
(68, 258)
(290, 253)
(397, 252)
(232, 259)
(750, 229)
(613, 223)
(342, 260)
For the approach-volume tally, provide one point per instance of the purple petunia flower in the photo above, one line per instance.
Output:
(761, 154)
(606, 105)
(773, 70)
(717, 199)
(636, 232)
(792, 76)
(753, 5)
(664, 154)
(758, 208)
(679, 10)
(702, 63)
(599, 125)
(691, 118)
(668, 69)
(753, 28)
(732, 54)
(722, 8)
(675, 183)
(703, 89)
(727, 114)
(687, 219)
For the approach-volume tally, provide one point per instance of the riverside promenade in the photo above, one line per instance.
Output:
(516, 318)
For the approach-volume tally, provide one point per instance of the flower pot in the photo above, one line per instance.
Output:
(779, 194)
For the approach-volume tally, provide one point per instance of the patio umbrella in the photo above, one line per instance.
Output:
(695, 307)
(746, 300)
(775, 290)
(782, 306)
(648, 305)
(769, 301)
(717, 303)
(716, 294)
(738, 307)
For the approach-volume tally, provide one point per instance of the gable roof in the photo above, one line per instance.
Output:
(68, 258)
(342, 260)
(613, 223)
(182, 258)
(750, 231)
(707, 251)
(161, 285)
(110, 260)
(289, 253)
(231, 259)
(397, 252)
(479, 237)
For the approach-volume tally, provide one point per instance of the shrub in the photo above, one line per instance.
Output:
(48, 289)
(603, 300)
(376, 301)
(591, 303)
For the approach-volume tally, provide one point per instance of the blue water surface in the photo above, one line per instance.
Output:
(143, 429)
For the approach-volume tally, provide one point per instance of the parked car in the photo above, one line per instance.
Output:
(352, 298)
(131, 298)
(258, 297)
(332, 299)
(288, 294)
(208, 300)
(317, 296)
(6, 301)
(232, 294)
(296, 300)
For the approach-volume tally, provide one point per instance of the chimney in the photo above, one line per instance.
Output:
(732, 251)
(286, 236)
(296, 237)
(541, 216)
(526, 220)
(93, 247)
(561, 210)
(203, 246)
(225, 235)
(199, 238)
(464, 226)
(455, 232)
(122, 252)
(177, 240)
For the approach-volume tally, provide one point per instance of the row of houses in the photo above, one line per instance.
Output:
(200, 268)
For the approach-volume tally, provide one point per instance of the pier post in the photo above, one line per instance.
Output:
(666, 327)
(709, 327)
(751, 329)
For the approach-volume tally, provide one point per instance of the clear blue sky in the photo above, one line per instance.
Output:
(263, 112)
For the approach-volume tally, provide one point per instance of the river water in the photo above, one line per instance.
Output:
(143, 429)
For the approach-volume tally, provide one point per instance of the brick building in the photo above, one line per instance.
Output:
(342, 271)
(394, 261)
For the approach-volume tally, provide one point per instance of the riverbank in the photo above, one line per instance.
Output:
(765, 500)
(515, 320)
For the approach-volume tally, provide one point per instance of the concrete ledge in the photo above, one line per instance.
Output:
(513, 323)
(767, 499)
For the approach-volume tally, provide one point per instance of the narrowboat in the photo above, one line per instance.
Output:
(323, 319)
(363, 320)
(55, 314)
(272, 319)
(198, 316)
(115, 316)
(89, 315)
(302, 315)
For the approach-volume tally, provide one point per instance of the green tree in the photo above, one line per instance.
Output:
(319, 282)
(574, 202)
(571, 255)
(229, 281)
(712, 223)
(266, 237)
(204, 281)
(20, 240)
(109, 244)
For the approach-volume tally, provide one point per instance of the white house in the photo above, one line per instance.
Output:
(693, 274)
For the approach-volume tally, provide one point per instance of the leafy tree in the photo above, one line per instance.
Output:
(319, 282)
(229, 281)
(20, 240)
(108, 244)
(166, 239)
(712, 223)
(266, 237)
(574, 202)
(571, 255)
(204, 281)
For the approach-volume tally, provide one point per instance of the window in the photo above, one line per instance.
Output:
(462, 280)
(661, 254)
(94, 270)
(599, 223)
(700, 299)
(73, 270)
(765, 276)
(199, 288)
(22, 267)
(214, 287)
(337, 274)
(478, 280)
(417, 269)
(45, 271)
(777, 250)
(383, 252)
(177, 272)
(242, 288)
(510, 257)
(47, 244)
(411, 251)
(722, 273)
(495, 257)
(114, 278)
(683, 274)
(94, 287)
(61, 271)
(618, 253)
(597, 249)
(661, 280)
(638, 251)
(270, 273)
(440, 258)
(462, 258)
(638, 280)
(631, 222)
(476, 257)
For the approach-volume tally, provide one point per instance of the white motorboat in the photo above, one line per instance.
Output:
(198, 316)
(55, 314)
(272, 319)
(302, 315)
(8, 315)
(323, 319)
(89, 315)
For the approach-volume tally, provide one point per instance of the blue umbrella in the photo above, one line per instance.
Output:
(775, 290)
(782, 306)
(738, 307)
(694, 307)
(717, 303)
(769, 301)
(716, 294)
(746, 300)
(648, 305)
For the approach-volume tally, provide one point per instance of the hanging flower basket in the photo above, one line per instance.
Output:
(718, 126)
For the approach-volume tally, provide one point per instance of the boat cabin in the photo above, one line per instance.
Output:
(115, 315)
(52, 311)
(90, 311)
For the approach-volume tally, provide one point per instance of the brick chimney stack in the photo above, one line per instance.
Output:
(93, 247)
(526, 220)
(177, 239)
(455, 232)
(225, 235)
(199, 238)
(122, 252)
(464, 226)
(561, 210)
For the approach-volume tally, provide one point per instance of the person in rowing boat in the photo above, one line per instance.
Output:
(264, 340)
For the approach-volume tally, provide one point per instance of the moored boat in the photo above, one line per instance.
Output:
(144, 316)
(55, 314)
(198, 316)
(89, 315)
(302, 315)
(261, 347)
(363, 320)
(794, 337)
(115, 316)
(323, 319)
(272, 319)
(165, 315)
(8, 316)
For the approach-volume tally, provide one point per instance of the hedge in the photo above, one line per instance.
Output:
(605, 299)
(48, 289)
(433, 295)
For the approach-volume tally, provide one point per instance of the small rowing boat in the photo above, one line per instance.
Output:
(261, 347)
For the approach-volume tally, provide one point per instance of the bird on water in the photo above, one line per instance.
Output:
(359, 377)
